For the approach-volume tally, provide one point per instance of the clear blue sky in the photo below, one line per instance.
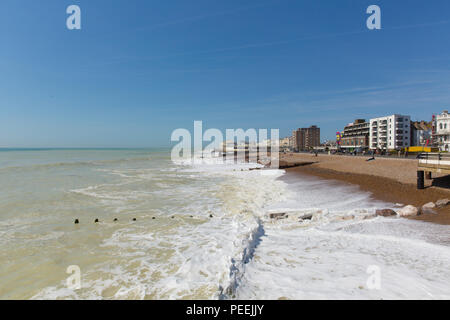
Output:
(139, 69)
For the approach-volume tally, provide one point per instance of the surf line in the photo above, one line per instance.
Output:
(237, 267)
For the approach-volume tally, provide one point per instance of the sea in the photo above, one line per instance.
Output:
(201, 229)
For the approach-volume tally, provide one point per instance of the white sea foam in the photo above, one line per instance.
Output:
(326, 264)
(327, 257)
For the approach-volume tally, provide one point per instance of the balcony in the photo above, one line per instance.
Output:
(442, 132)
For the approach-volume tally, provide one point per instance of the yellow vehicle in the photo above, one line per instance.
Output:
(422, 149)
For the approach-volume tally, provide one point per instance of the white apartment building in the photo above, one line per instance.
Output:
(285, 142)
(390, 133)
(443, 131)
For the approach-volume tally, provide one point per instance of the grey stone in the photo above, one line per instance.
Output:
(386, 212)
(427, 210)
(408, 211)
(430, 205)
(279, 215)
(442, 203)
(307, 216)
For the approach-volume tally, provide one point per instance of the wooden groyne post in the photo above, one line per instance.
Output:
(420, 180)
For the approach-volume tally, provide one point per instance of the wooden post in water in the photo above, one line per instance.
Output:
(420, 180)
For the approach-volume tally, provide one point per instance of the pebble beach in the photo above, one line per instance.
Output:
(392, 180)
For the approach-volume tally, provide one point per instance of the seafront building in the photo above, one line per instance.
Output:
(294, 140)
(291, 141)
(442, 131)
(355, 136)
(285, 142)
(306, 138)
(421, 133)
(390, 133)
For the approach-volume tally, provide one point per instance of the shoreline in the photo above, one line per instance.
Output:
(375, 181)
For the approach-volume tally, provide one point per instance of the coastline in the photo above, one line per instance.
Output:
(390, 180)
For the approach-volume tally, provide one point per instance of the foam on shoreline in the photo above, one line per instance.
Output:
(328, 257)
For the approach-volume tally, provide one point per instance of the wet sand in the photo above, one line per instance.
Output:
(392, 180)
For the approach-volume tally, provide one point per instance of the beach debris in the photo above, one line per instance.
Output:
(278, 215)
(371, 159)
(428, 208)
(96, 220)
(442, 203)
(153, 218)
(345, 218)
(211, 216)
(115, 219)
(386, 213)
(408, 211)
(134, 219)
(370, 216)
(77, 221)
(307, 216)
(286, 165)
(172, 217)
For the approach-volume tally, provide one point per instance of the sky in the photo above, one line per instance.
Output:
(139, 69)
